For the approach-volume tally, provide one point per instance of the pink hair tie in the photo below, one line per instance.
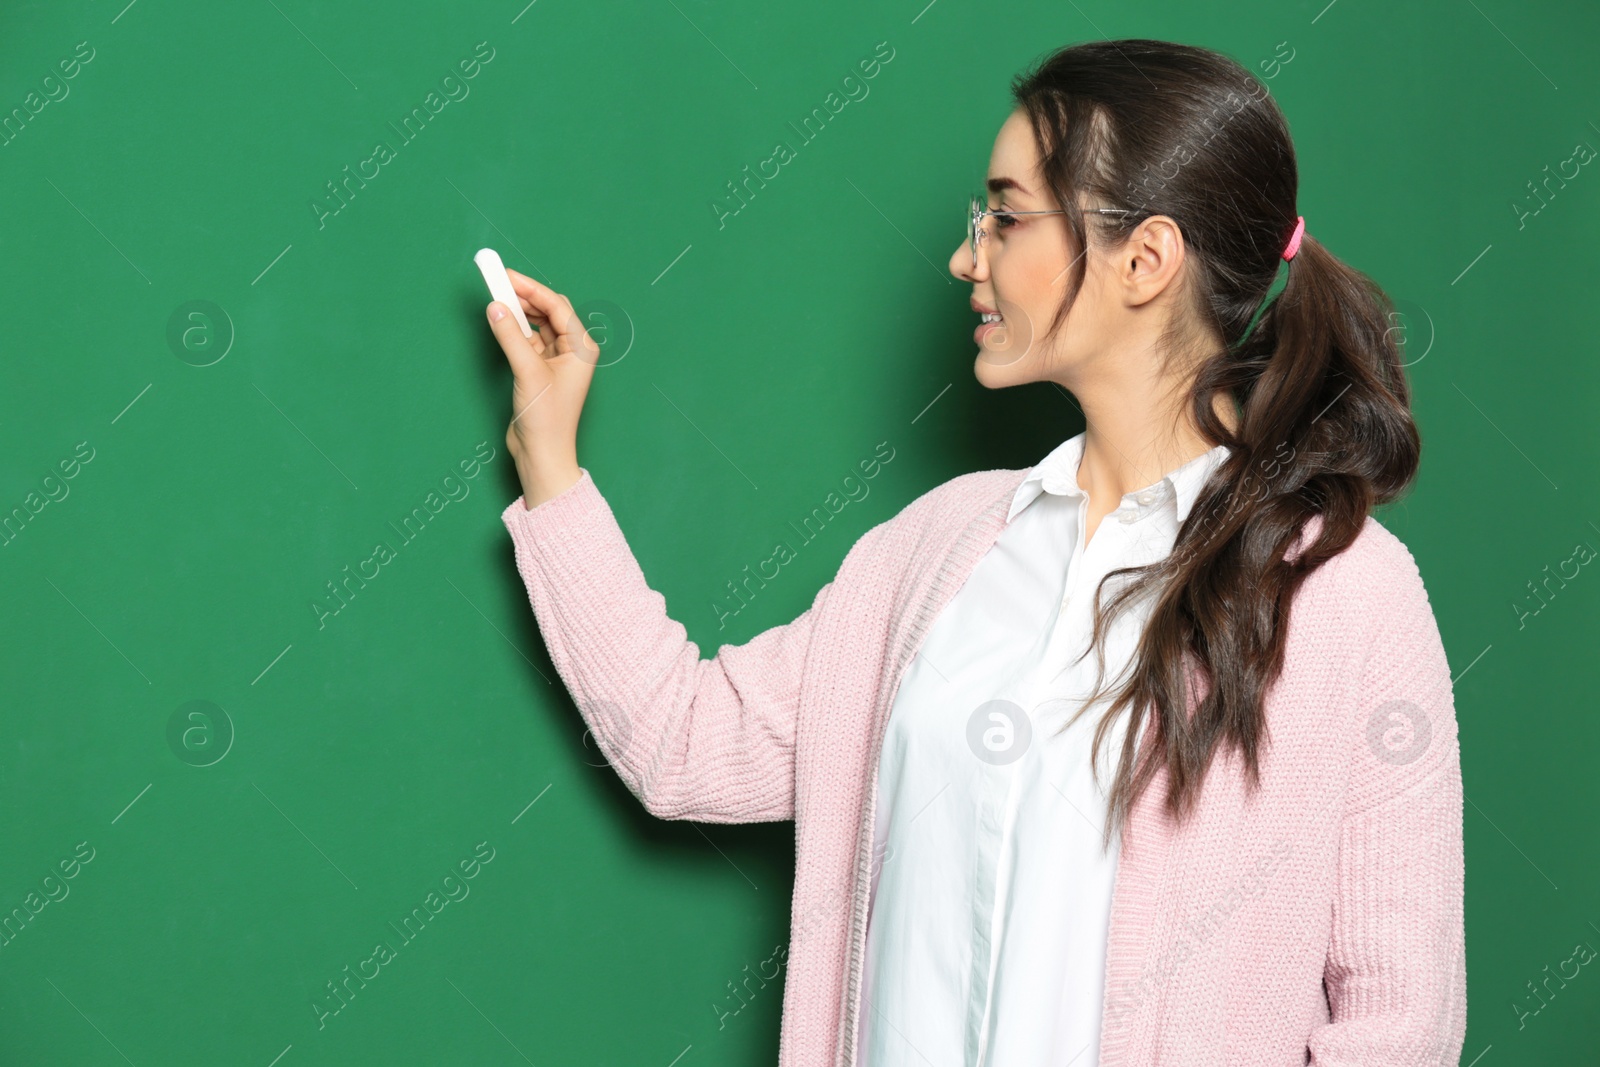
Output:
(1294, 239)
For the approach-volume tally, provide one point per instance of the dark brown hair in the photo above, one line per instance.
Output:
(1323, 408)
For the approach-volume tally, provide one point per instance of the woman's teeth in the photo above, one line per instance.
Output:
(991, 316)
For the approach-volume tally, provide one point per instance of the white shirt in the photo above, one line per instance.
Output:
(991, 892)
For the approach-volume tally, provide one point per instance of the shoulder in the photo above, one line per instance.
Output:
(1373, 588)
(952, 505)
(939, 515)
(966, 495)
(1378, 562)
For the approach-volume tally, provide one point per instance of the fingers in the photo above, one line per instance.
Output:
(536, 318)
(560, 327)
(534, 315)
(548, 305)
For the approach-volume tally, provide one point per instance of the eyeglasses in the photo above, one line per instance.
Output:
(976, 231)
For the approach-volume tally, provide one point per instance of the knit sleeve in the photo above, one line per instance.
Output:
(709, 740)
(1396, 966)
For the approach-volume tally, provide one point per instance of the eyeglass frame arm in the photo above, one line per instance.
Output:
(978, 215)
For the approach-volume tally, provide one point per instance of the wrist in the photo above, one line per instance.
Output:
(546, 477)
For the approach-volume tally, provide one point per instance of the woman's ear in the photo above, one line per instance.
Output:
(1151, 258)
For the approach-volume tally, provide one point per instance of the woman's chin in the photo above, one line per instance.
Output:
(997, 368)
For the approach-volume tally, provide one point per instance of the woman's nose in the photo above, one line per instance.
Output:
(961, 263)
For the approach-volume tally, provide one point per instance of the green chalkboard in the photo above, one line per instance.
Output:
(246, 360)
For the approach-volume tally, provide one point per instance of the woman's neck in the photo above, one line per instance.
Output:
(1128, 447)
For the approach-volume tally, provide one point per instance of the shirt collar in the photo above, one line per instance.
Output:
(1058, 473)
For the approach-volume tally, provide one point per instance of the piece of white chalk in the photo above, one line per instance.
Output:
(494, 273)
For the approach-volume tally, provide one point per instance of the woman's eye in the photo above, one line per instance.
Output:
(1003, 221)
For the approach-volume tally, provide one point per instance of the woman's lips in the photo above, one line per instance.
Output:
(984, 329)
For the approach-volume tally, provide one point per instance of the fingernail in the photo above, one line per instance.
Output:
(497, 311)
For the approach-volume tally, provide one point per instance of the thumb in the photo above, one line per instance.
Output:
(525, 354)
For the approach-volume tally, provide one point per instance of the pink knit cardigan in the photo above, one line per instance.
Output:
(1319, 921)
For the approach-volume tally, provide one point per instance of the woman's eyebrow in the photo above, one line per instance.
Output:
(1000, 185)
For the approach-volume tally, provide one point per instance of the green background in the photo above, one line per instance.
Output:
(351, 766)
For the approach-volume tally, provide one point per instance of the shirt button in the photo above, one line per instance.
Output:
(1145, 498)
(1127, 517)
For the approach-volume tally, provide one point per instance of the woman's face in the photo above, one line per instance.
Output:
(1023, 272)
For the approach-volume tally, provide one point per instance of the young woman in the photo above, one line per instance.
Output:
(1273, 873)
